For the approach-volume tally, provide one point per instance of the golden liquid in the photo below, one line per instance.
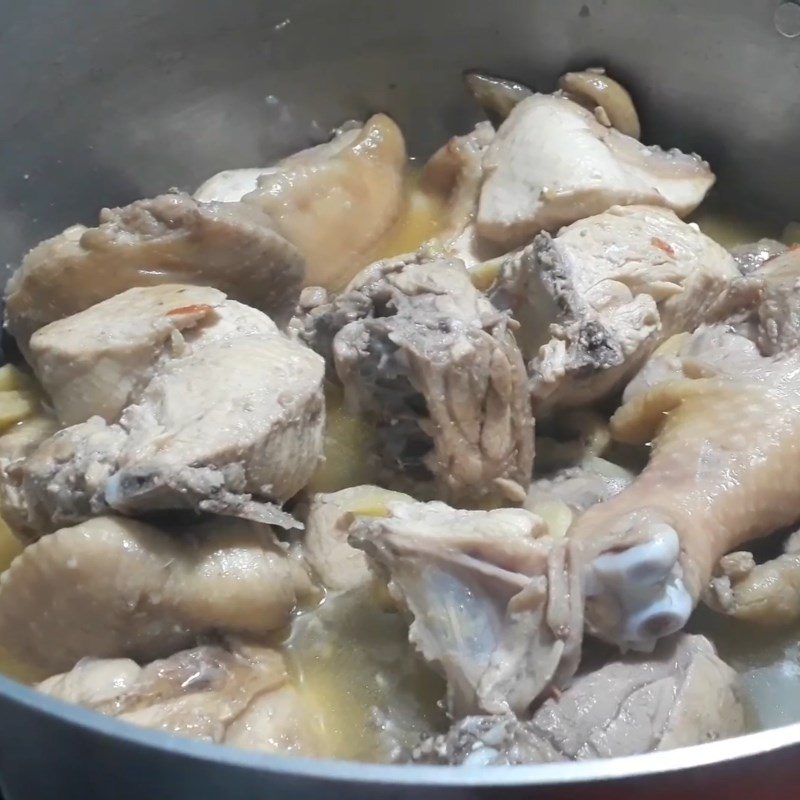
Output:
(422, 218)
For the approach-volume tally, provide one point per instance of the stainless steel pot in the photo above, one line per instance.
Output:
(101, 103)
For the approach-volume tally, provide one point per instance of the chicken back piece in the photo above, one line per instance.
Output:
(724, 469)
(224, 413)
(168, 239)
(598, 297)
(418, 347)
(333, 202)
(113, 587)
(682, 694)
(490, 596)
(239, 696)
(552, 162)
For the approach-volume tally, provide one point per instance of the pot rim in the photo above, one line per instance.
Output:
(598, 770)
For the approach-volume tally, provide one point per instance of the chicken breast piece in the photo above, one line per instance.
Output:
(168, 239)
(338, 565)
(612, 287)
(682, 694)
(724, 470)
(115, 587)
(333, 202)
(489, 596)
(552, 163)
(242, 698)
(99, 361)
(233, 427)
(424, 352)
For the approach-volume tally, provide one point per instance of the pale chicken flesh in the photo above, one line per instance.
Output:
(719, 408)
(228, 419)
(614, 286)
(424, 352)
(240, 696)
(552, 163)
(489, 595)
(333, 202)
(178, 490)
(115, 587)
(682, 694)
(168, 239)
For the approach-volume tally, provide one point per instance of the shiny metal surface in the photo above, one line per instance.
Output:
(101, 103)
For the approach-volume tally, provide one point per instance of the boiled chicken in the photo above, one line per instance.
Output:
(424, 352)
(489, 595)
(228, 419)
(99, 361)
(239, 696)
(115, 587)
(333, 202)
(338, 565)
(552, 162)
(454, 173)
(724, 469)
(682, 694)
(611, 288)
(767, 593)
(168, 239)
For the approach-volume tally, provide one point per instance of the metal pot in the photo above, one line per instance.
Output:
(105, 102)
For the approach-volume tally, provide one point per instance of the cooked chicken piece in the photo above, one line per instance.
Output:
(767, 593)
(489, 596)
(15, 446)
(333, 202)
(230, 185)
(338, 565)
(241, 698)
(169, 239)
(682, 694)
(569, 492)
(779, 310)
(607, 99)
(552, 163)
(99, 361)
(115, 587)
(613, 286)
(454, 173)
(724, 424)
(750, 257)
(496, 96)
(418, 347)
(233, 427)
